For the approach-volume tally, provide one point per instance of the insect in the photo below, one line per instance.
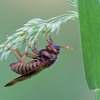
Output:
(41, 59)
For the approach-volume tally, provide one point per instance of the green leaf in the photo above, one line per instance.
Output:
(89, 16)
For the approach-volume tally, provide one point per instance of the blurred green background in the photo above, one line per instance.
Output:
(65, 80)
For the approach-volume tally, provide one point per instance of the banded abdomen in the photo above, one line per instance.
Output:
(24, 67)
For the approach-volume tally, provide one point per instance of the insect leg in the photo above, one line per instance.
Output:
(50, 42)
(23, 56)
(14, 51)
(53, 49)
(35, 46)
(35, 49)
(27, 55)
(48, 37)
(51, 39)
(19, 53)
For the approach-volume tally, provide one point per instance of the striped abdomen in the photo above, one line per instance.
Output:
(24, 67)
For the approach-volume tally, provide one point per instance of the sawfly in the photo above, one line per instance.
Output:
(41, 59)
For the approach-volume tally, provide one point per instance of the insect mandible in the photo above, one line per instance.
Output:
(41, 59)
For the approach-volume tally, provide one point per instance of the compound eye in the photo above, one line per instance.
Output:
(57, 47)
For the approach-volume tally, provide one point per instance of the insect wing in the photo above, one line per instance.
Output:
(29, 74)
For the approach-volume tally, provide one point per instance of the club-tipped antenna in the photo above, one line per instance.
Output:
(66, 47)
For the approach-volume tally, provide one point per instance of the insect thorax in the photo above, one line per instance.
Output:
(46, 55)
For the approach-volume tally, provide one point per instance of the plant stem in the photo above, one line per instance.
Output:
(97, 94)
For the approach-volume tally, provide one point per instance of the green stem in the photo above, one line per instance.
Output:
(97, 94)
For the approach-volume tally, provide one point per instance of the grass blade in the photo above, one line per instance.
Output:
(89, 16)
